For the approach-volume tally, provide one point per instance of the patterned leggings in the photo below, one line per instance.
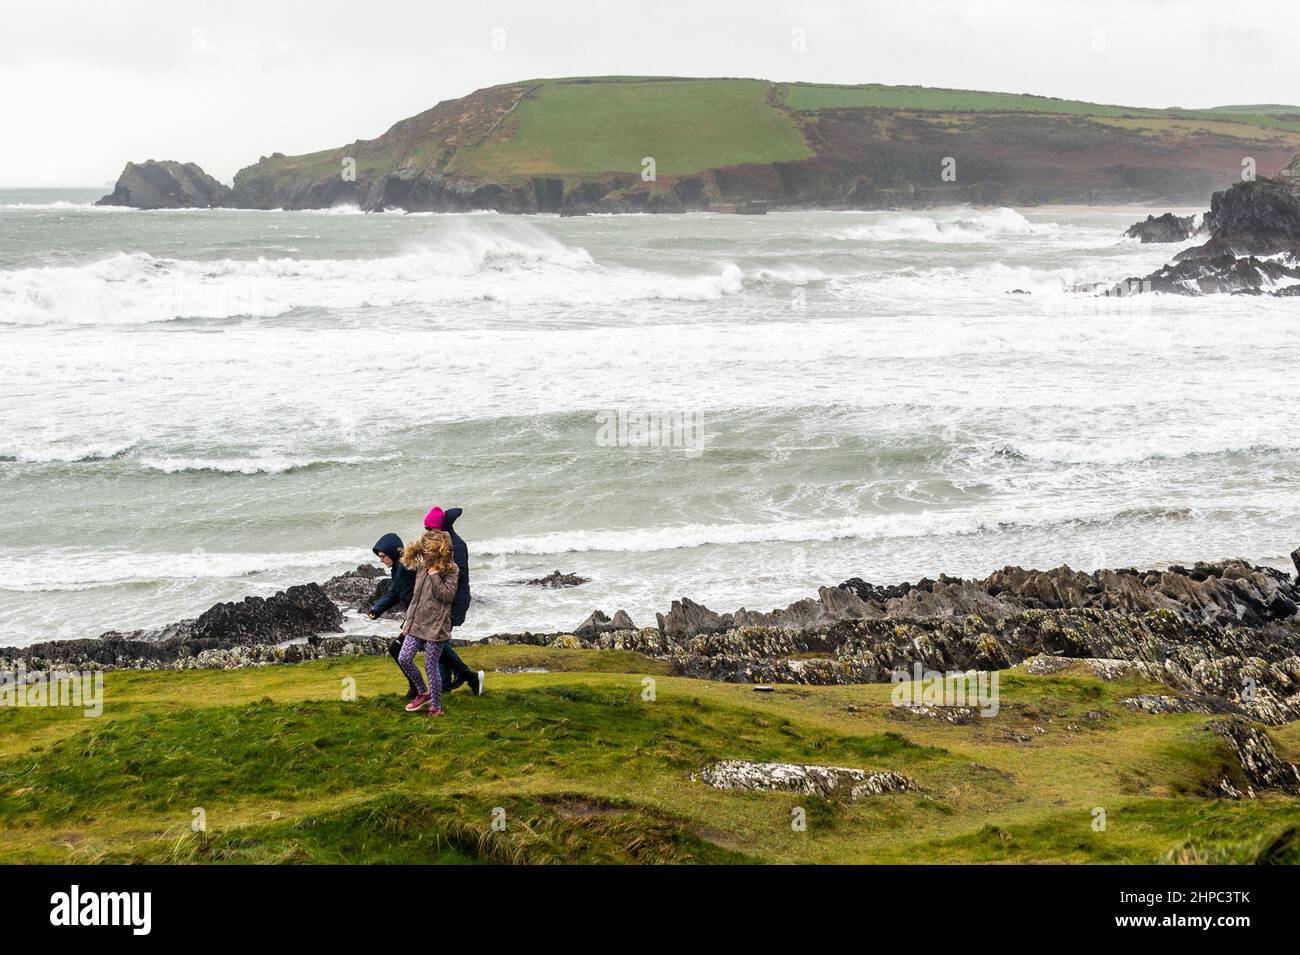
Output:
(406, 660)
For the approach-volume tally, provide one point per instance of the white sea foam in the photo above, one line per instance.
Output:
(958, 229)
(271, 464)
(908, 417)
(63, 453)
(57, 206)
(97, 568)
(959, 521)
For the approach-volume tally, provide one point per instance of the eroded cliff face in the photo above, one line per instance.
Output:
(166, 184)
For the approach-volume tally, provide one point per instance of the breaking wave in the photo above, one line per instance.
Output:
(971, 227)
(61, 454)
(513, 263)
(956, 522)
(257, 465)
(83, 570)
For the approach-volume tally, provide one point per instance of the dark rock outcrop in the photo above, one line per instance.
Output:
(1222, 275)
(1227, 592)
(1165, 228)
(359, 589)
(364, 585)
(1254, 247)
(299, 612)
(557, 580)
(1224, 637)
(166, 184)
(292, 614)
(599, 623)
(1261, 217)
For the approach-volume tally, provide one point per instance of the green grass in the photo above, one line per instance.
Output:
(595, 127)
(585, 769)
(808, 97)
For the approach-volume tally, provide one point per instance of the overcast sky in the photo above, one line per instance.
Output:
(86, 85)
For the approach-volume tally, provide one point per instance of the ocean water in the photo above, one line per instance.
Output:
(200, 405)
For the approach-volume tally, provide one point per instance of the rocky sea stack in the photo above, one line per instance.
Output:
(166, 185)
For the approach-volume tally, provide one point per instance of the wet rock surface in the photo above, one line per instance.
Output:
(556, 580)
(1254, 246)
(1165, 228)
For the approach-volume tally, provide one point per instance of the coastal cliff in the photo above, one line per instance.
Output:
(665, 144)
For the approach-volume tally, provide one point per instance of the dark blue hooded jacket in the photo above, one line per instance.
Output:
(403, 584)
(459, 552)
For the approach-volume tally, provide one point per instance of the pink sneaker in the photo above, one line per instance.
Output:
(435, 711)
(421, 699)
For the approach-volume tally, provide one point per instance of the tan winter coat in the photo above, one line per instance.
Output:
(429, 615)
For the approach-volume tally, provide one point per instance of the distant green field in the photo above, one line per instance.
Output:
(588, 128)
(1275, 108)
(807, 97)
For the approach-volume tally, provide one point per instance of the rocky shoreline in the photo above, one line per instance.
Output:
(1253, 246)
(1222, 637)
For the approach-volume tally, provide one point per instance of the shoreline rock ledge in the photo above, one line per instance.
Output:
(1222, 638)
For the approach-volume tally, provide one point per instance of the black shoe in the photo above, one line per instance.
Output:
(455, 682)
(475, 682)
(410, 693)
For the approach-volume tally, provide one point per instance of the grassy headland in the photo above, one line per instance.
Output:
(586, 769)
(577, 144)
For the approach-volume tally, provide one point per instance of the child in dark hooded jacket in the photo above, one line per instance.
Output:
(389, 551)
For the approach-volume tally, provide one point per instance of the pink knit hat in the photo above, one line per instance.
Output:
(433, 520)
